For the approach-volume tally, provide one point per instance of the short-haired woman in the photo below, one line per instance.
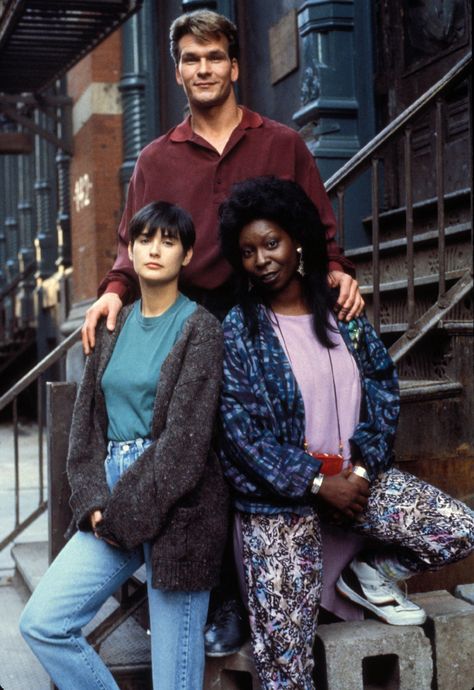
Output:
(146, 485)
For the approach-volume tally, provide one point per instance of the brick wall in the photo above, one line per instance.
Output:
(94, 180)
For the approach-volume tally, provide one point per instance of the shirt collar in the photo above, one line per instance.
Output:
(184, 131)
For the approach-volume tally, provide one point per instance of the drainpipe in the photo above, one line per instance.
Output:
(63, 162)
(138, 87)
(26, 252)
(45, 242)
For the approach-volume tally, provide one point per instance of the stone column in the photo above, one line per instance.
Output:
(337, 109)
(328, 90)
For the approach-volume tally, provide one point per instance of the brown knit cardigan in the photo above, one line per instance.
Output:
(174, 495)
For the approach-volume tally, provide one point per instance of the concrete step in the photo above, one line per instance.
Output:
(31, 562)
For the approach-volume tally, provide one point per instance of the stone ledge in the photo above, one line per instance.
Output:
(450, 628)
(371, 654)
(465, 592)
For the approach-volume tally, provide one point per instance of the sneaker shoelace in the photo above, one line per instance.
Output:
(400, 597)
(391, 587)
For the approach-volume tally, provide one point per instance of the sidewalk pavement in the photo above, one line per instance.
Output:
(29, 487)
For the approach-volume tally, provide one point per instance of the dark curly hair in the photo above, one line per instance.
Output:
(285, 203)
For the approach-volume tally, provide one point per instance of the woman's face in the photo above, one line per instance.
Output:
(269, 255)
(158, 258)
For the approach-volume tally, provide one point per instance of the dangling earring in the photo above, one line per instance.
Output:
(300, 268)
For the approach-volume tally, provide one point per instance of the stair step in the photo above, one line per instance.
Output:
(31, 561)
(428, 237)
(420, 281)
(419, 206)
(452, 327)
(415, 390)
(127, 648)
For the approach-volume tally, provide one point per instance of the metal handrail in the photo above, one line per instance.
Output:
(11, 396)
(53, 357)
(362, 158)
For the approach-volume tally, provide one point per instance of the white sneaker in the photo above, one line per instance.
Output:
(364, 585)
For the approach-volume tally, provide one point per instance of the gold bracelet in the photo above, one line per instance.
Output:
(361, 472)
(316, 485)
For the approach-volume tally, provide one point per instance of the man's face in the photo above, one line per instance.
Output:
(205, 71)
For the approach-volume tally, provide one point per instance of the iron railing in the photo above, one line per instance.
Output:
(34, 376)
(369, 157)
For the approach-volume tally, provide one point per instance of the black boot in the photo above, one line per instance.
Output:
(227, 629)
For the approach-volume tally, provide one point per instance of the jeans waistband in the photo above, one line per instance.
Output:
(138, 443)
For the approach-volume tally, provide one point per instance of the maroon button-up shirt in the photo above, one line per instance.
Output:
(183, 168)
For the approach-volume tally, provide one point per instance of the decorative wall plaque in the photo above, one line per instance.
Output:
(283, 39)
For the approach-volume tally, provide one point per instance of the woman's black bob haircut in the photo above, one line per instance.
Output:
(285, 203)
(172, 220)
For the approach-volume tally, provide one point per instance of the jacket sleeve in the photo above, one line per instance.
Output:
(374, 436)
(252, 454)
(307, 175)
(87, 449)
(142, 499)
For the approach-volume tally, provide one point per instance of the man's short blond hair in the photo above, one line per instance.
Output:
(204, 25)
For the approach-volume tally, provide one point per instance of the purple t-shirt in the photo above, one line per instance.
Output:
(311, 365)
(312, 369)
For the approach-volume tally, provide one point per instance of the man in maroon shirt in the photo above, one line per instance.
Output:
(194, 165)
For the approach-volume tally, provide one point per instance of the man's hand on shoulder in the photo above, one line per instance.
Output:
(108, 305)
(350, 302)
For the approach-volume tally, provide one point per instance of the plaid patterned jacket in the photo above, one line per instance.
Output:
(262, 415)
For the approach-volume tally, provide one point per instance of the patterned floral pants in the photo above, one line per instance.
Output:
(283, 566)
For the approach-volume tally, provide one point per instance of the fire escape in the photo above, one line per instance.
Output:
(39, 42)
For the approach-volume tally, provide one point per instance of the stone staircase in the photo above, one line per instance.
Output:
(439, 367)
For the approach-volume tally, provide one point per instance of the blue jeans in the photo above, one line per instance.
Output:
(80, 580)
